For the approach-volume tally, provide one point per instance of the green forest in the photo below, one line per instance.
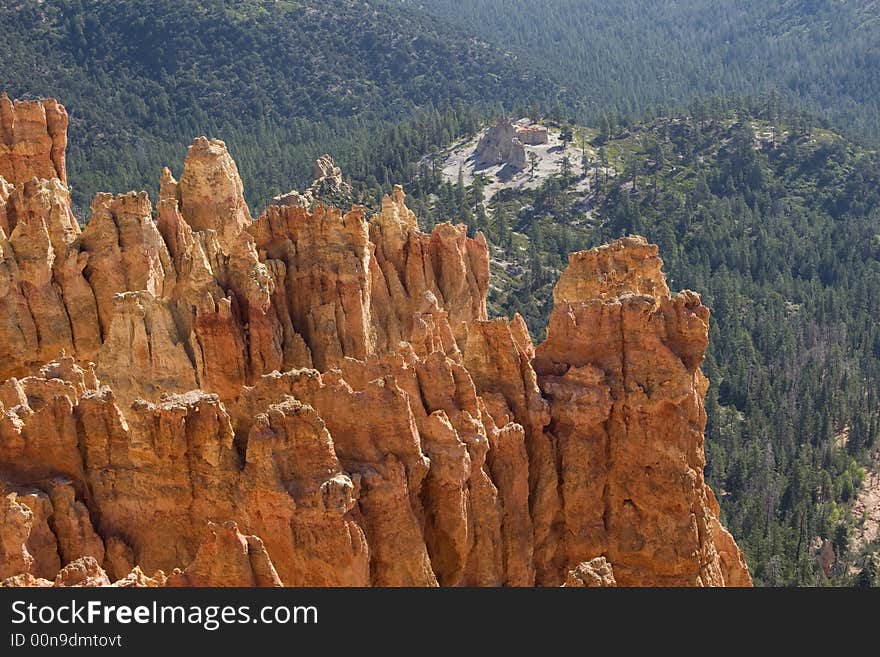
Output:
(634, 57)
(280, 82)
(739, 136)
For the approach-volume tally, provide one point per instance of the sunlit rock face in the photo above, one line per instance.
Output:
(192, 397)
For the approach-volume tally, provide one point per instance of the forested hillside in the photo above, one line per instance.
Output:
(630, 55)
(281, 82)
(777, 224)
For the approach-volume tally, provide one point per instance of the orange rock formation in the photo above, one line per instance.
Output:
(34, 139)
(318, 398)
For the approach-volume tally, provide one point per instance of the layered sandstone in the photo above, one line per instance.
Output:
(620, 368)
(317, 398)
(33, 139)
(228, 558)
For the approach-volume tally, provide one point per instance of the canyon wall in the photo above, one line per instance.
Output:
(317, 397)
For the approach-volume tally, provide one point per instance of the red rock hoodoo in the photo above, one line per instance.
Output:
(318, 398)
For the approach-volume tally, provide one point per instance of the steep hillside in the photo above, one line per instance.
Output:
(629, 56)
(283, 82)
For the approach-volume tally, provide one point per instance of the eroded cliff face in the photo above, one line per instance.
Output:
(318, 398)
(620, 368)
(34, 139)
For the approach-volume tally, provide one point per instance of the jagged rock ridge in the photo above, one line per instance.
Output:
(318, 398)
